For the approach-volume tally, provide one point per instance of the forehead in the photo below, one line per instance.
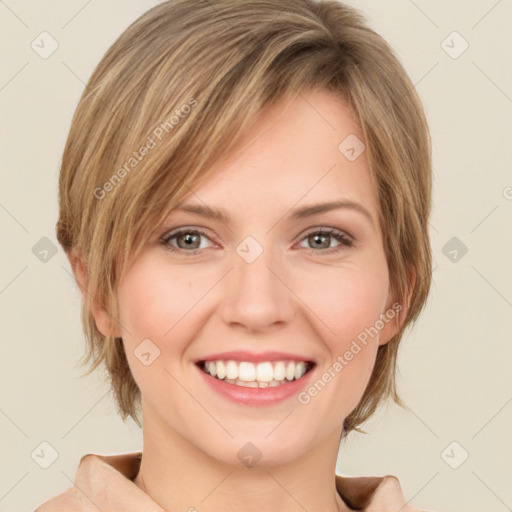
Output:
(293, 156)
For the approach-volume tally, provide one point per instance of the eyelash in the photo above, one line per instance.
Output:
(344, 239)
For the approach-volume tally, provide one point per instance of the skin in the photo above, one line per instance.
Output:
(295, 297)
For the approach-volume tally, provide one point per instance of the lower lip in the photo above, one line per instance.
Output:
(256, 396)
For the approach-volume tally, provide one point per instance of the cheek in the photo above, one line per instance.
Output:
(347, 299)
(347, 303)
(156, 304)
(153, 299)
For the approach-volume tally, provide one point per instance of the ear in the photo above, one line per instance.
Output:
(101, 316)
(396, 312)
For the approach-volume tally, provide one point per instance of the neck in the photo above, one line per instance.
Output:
(179, 476)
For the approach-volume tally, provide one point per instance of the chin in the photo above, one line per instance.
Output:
(261, 450)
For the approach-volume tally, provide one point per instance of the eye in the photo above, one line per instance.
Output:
(188, 240)
(321, 239)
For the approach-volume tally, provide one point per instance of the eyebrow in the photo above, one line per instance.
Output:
(299, 213)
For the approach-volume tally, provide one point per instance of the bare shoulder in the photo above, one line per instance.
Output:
(390, 486)
(68, 501)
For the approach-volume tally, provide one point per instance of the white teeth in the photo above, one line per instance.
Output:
(246, 372)
(231, 370)
(221, 370)
(244, 384)
(290, 371)
(300, 370)
(264, 372)
(279, 371)
(262, 375)
(239, 382)
(212, 368)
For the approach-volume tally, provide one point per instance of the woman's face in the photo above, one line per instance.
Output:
(265, 286)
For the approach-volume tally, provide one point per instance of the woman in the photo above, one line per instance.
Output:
(244, 201)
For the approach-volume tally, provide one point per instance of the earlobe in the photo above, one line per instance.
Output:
(392, 319)
(78, 268)
(100, 314)
(397, 313)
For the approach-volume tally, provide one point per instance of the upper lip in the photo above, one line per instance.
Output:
(252, 357)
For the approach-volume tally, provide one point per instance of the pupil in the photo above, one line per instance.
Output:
(189, 239)
(317, 239)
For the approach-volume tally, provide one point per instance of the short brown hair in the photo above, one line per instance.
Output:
(202, 71)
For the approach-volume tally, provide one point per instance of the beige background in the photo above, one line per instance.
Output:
(455, 363)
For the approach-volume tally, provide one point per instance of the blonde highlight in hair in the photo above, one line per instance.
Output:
(233, 59)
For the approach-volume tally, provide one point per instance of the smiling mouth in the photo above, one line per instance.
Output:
(260, 375)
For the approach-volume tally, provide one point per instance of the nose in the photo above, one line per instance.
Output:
(257, 295)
